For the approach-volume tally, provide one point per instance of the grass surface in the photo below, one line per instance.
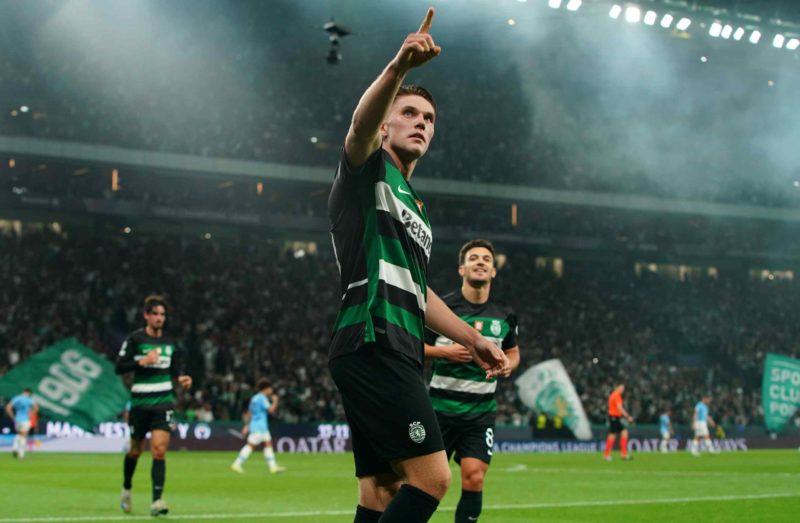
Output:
(749, 486)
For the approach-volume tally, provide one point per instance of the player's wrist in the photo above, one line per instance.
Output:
(396, 69)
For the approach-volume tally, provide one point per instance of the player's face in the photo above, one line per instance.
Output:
(409, 128)
(156, 317)
(478, 266)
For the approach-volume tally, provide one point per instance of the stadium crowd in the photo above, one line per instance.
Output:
(220, 92)
(255, 308)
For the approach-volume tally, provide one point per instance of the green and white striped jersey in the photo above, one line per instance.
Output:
(382, 241)
(461, 390)
(152, 385)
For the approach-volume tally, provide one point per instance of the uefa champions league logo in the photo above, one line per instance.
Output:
(416, 432)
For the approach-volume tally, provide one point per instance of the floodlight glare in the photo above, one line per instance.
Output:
(716, 29)
(683, 24)
(633, 14)
(738, 34)
(555, 4)
(726, 32)
(778, 41)
(650, 18)
(793, 44)
(666, 21)
(755, 37)
(615, 11)
(574, 5)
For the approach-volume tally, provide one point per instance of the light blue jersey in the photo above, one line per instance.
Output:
(22, 406)
(663, 423)
(702, 411)
(259, 407)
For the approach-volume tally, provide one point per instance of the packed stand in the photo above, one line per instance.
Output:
(248, 81)
(253, 308)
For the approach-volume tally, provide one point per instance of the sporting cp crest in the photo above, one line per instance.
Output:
(496, 328)
(416, 432)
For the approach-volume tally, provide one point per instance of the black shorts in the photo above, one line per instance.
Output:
(615, 425)
(142, 420)
(466, 440)
(387, 406)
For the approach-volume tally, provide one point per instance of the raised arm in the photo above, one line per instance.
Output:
(10, 410)
(439, 318)
(364, 137)
(274, 404)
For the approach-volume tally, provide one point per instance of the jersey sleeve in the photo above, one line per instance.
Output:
(125, 361)
(347, 174)
(430, 337)
(510, 341)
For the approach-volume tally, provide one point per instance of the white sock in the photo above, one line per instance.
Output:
(244, 454)
(269, 455)
(707, 444)
(22, 446)
(663, 446)
(15, 443)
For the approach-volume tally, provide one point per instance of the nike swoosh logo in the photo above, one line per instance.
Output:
(400, 190)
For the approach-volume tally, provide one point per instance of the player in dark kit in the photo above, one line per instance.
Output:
(154, 360)
(382, 241)
(463, 398)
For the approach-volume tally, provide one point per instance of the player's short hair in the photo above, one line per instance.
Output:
(486, 244)
(263, 384)
(153, 301)
(28, 390)
(416, 90)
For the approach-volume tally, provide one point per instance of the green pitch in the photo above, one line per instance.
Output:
(750, 486)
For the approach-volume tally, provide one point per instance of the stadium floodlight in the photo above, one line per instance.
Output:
(715, 30)
(574, 5)
(666, 21)
(727, 31)
(616, 10)
(683, 24)
(755, 37)
(633, 14)
(778, 41)
(738, 34)
(650, 18)
(793, 44)
(555, 4)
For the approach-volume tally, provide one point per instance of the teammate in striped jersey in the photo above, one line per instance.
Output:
(382, 241)
(463, 398)
(154, 360)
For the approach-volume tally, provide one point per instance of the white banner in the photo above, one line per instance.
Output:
(546, 388)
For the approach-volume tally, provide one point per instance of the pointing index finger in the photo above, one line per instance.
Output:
(426, 24)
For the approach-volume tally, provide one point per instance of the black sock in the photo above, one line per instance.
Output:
(410, 505)
(469, 506)
(157, 474)
(127, 471)
(365, 515)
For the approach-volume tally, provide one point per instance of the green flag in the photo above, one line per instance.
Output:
(780, 390)
(70, 382)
